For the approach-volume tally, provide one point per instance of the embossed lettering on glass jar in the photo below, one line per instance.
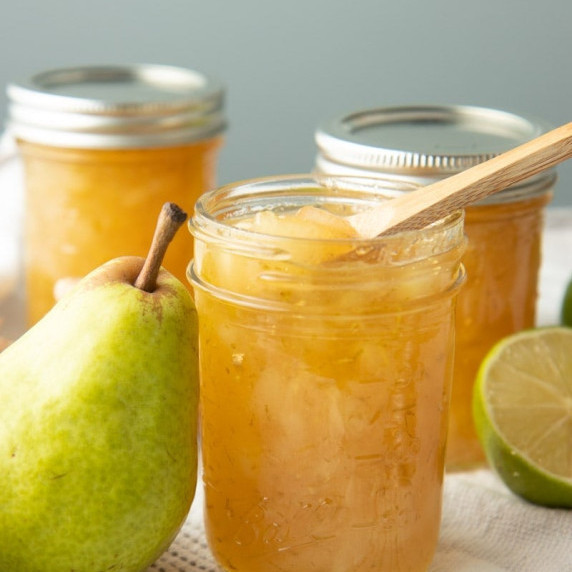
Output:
(103, 148)
(325, 370)
(422, 144)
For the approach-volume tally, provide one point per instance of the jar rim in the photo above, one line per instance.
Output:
(215, 208)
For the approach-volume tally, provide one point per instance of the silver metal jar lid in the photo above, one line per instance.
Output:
(142, 105)
(425, 143)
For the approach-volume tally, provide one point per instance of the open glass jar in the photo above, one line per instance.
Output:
(423, 144)
(325, 364)
(103, 148)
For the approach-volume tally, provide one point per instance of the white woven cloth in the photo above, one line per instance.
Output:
(485, 528)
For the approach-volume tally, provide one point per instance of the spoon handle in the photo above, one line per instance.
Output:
(426, 205)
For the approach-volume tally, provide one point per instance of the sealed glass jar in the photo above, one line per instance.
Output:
(325, 364)
(103, 148)
(423, 144)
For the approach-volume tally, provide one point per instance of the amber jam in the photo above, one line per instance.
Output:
(85, 206)
(325, 364)
(502, 261)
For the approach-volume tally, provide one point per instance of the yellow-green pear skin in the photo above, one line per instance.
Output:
(98, 438)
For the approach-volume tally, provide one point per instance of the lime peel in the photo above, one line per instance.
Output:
(527, 475)
(566, 311)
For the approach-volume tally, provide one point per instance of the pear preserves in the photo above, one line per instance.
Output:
(324, 380)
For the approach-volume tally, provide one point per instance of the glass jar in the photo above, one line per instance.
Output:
(103, 148)
(424, 144)
(325, 364)
(12, 322)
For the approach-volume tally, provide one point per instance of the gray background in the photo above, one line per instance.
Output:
(289, 65)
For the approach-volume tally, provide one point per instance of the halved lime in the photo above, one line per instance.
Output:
(522, 407)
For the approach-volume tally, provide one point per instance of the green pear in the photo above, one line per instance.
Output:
(98, 439)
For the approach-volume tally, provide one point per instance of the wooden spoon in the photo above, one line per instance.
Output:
(423, 206)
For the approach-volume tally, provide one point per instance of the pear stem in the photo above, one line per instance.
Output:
(170, 220)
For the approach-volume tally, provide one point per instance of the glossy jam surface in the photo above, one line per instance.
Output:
(84, 207)
(324, 391)
(499, 298)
